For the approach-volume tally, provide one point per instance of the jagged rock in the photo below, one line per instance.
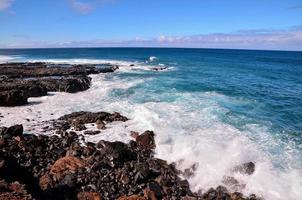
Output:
(124, 178)
(66, 165)
(117, 152)
(150, 195)
(40, 69)
(155, 188)
(13, 98)
(92, 132)
(45, 182)
(245, 168)
(15, 90)
(12, 131)
(90, 117)
(237, 196)
(13, 191)
(100, 124)
(78, 126)
(79, 119)
(146, 140)
(33, 88)
(189, 172)
(69, 84)
(89, 196)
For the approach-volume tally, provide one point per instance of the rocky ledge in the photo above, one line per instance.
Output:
(19, 81)
(65, 166)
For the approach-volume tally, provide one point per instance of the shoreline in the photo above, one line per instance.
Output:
(221, 190)
(64, 166)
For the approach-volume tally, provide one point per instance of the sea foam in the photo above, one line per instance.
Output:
(4, 58)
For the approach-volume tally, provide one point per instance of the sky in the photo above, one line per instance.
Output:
(237, 24)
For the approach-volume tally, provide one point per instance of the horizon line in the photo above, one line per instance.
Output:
(150, 47)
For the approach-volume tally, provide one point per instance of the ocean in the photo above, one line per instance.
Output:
(215, 108)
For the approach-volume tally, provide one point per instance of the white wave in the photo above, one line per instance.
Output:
(4, 58)
(125, 66)
(152, 58)
(187, 132)
(83, 61)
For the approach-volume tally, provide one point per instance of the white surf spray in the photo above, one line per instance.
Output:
(4, 58)
(152, 59)
(124, 65)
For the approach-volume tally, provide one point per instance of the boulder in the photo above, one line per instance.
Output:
(66, 84)
(117, 152)
(66, 165)
(245, 168)
(89, 196)
(92, 132)
(154, 189)
(146, 140)
(13, 131)
(45, 182)
(31, 87)
(40, 69)
(100, 124)
(13, 191)
(13, 98)
(90, 117)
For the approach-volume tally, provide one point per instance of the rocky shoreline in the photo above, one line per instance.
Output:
(19, 81)
(66, 166)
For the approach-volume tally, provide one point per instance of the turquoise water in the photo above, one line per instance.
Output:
(266, 86)
(252, 94)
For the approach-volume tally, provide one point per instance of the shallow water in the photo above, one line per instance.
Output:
(217, 108)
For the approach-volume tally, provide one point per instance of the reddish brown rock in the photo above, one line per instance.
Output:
(13, 191)
(45, 182)
(66, 165)
(146, 140)
(150, 195)
(89, 196)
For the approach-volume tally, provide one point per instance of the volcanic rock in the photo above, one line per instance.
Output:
(66, 165)
(245, 168)
(12, 131)
(13, 98)
(19, 81)
(146, 140)
(100, 124)
(89, 196)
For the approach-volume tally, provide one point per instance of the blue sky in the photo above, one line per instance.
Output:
(254, 24)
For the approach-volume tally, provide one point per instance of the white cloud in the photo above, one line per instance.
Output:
(290, 39)
(4, 4)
